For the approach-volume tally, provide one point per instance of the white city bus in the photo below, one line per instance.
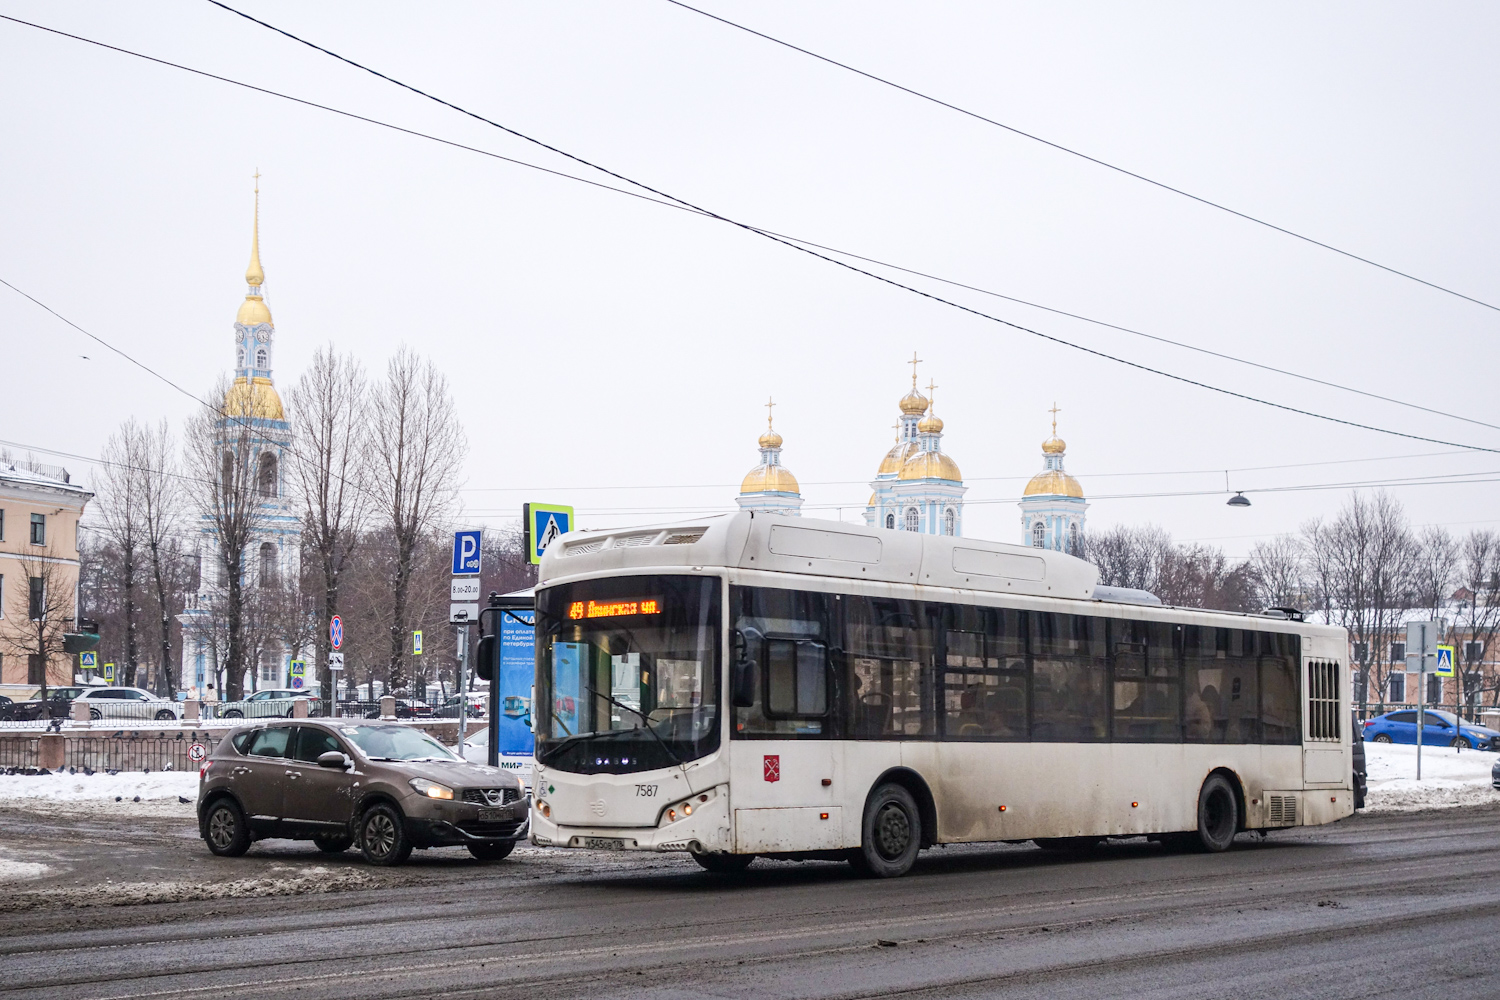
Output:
(748, 686)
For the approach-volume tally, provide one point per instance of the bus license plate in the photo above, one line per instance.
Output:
(604, 844)
(494, 815)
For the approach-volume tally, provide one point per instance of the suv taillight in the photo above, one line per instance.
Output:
(203, 771)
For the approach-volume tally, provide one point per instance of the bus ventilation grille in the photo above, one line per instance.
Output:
(1283, 810)
(683, 537)
(584, 548)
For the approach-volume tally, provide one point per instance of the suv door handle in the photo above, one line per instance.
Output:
(241, 770)
(294, 774)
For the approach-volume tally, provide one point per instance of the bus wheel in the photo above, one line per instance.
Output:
(1218, 815)
(891, 834)
(723, 864)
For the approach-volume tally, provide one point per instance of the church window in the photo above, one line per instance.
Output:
(1038, 535)
(241, 356)
(261, 358)
(911, 519)
(1073, 539)
(950, 521)
(265, 478)
(270, 667)
(890, 521)
(267, 564)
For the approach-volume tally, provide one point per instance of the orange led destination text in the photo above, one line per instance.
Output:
(614, 609)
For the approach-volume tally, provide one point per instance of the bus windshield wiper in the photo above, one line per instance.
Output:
(642, 716)
(579, 737)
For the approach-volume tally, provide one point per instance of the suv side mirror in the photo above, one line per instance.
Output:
(333, 758)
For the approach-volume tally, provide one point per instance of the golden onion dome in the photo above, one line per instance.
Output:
(930, 424)
(931, 465)
(913, 403)
(896, 457)
(253, 312)
(770, 439)
(1054, 445)
(1053, 483)
(256, 398)
(872, 501)
(770, 479)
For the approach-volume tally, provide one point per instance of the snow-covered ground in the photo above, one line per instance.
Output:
(1449, 778)
(128, 793)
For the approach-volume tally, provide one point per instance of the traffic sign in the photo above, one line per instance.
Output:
(1444, 661)
(416, 643)
(88, 660)
(197, 752)
(467, 552)
(298, 671)
(109, 673)
(543, 524)
(464, 588)
(463, 613)
(335, 661)
(336, 631)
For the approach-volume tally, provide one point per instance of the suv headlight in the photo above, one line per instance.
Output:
(431, 789)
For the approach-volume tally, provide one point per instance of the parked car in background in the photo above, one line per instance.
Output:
(450, 707)
(56, 705)
(406, 708)
(269, 703)
(126, 703)
(384, 787)
(1439, 729)
(7, 709)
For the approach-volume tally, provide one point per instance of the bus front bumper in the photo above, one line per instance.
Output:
(707, 830)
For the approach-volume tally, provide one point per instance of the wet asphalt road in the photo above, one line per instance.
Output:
(1405, 906)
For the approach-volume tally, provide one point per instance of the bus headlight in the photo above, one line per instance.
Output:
(431, 789)
(682, 810)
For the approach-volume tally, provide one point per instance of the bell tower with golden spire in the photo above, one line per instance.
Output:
(770, 487)
(1052, 506)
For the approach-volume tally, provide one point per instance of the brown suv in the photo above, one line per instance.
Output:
(385, 786)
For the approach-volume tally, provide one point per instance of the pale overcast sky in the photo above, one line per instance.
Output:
(616, 355)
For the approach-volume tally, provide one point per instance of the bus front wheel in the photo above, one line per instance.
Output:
(891, 834)
(1218, 815)
(723, 864)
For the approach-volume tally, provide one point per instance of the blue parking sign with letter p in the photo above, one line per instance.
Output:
(466, 551)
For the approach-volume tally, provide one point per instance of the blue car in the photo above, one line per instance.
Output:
(1439, 729)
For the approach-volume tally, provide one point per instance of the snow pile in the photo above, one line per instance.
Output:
(283, 881)
(1449, 778)
(159, 792)
(11, 871)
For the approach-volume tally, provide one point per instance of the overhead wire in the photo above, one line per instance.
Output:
(1082, 155)
(683, 207)
(844, 264)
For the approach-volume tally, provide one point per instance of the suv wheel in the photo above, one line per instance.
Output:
(493, 851)
(382, 835)
(95, 714)
(225, 830)
(165, 715)
(234, 713)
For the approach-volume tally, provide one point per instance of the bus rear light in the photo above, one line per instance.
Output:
(1002, 809)
(822, 815)
(1135, 805)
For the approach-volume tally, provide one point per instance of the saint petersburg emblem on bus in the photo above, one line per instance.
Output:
(773, 767)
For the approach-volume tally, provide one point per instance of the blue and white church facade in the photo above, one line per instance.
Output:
(917, 487)
(770, 487)
(1052, 506)
(272, 560)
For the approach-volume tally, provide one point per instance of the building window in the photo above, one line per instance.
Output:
(950, 521)
(37, 606)
(241, 357)
(1038, 535)
(890, 521)
(2, 524)
(1073, 539)
(36, 672)
(1398, 687)
(260, 358)
(265, 478)
(270, 668)
(1434, 689)
(911, 519)
(2, 596)
(267, 564)
(38, 529)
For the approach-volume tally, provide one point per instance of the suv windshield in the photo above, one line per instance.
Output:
(627, 673)
(395, 743)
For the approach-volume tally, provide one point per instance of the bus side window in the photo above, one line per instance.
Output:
(796, 678)
(1280, 700)
(1070, 668)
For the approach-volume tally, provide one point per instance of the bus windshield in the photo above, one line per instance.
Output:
(627, 673)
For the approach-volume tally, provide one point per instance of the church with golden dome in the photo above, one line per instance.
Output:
(1052, 505)
(770, 487)
(273, 557)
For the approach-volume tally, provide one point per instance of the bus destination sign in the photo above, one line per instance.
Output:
(614, 609)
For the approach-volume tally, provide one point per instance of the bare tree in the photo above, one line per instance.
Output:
(48, 596)
(330, 403)
(418, 448)
(161, 509)
(1478, 617)
(1434, 567)
(120, 509)
(1279, 573)
(1128, 556)
(222, 449)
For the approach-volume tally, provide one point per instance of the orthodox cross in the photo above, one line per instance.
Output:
(1054, 411)
(770, 403)
(914, 362)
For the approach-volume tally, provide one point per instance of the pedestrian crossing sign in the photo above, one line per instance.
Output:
(544, 523)
(109, 673)
(1444, 661)
(88, 660)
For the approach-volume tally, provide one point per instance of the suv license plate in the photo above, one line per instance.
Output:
(494, 815)
(604, 844)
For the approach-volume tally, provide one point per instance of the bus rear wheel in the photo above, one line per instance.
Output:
(891, 834)
(723, 864)
(1218, 815)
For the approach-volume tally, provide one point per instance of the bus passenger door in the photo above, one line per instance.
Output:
(787, 777)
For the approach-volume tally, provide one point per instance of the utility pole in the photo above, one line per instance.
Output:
(1421, 645)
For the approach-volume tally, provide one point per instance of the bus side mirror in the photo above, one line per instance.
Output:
(742, 677)
(484, 658)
